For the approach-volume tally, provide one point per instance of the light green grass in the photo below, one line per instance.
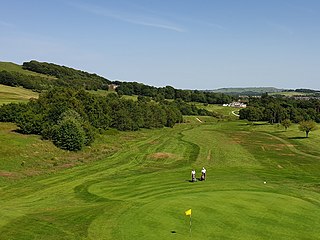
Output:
(290, 94)
(135, 185)
(218, 108)
(101, 92)
(15, 94)
(12, 67)
(105, 93)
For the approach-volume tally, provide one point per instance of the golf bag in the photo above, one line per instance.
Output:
(203, 177)
(193, 178)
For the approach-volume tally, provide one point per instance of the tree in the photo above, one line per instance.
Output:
(69, 135)
(286, 123)
(251, 114)
(307, 126)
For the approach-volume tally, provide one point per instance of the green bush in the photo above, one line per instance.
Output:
(69, 135)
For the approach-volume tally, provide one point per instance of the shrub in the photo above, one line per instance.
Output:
(69, 135)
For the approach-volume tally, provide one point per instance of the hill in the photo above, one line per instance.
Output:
(248, 90)
(12, 67)
(44, 76)
(41, 76)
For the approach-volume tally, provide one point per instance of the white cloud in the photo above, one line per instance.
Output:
(134, 18)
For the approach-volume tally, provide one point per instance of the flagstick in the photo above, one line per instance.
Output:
(190, 226)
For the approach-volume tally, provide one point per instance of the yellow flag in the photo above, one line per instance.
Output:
(188, 212)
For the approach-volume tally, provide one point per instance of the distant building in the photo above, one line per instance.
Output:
(236, 105)
(112, 87)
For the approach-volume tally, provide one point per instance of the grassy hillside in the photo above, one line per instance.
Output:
(12, 67)
(15, 94)
(218, 108)
(135, 185)
(259, 90)
(290, 94)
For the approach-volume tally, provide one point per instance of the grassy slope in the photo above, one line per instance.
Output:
(15, 94)
(142, 190)
(290, 94)
(218, 108)
(248, 89)
(12, 67)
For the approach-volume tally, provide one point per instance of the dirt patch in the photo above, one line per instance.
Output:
(162, 155)
(68, 165)
(7, 174)
(209, 155)
(279, 166)
(288, 154)
(32, 172)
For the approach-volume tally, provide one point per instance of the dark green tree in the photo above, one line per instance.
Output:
(68, 134)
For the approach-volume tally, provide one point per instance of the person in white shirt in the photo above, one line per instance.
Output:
(193, 175)
(203, 174)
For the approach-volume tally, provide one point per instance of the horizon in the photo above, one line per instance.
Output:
(184, 44)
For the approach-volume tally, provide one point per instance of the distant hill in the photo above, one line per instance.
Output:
(12, 67)
(40, 76)
(248, 90)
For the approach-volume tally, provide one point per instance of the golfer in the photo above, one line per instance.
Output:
(193, 175)
(203, 174)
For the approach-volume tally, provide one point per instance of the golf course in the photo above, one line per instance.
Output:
(262, 183)
(160, 120)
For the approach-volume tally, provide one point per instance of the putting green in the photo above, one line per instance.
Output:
(221, 209)
(219, 215)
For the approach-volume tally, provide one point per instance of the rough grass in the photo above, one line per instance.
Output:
(15, 94)
(135, 185)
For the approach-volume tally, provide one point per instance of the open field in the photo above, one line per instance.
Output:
(106, 92)
(135, 185)
(290, 94)
(218, 108)
(15, 94)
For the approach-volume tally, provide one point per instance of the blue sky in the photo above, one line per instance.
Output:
(188, 44)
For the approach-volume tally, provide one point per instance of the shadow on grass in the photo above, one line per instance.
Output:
(297, 137)
(198, 180)
(18, 130)
(254, 124)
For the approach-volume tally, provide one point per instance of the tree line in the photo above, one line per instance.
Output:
(168, 92)
(276, 109)
(56, 75)
(70, 117)
(36, 83)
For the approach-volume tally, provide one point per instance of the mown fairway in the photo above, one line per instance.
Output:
(135, 185)
(15, 94)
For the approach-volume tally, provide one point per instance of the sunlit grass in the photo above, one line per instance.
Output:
(135, 185)
(15, 94)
